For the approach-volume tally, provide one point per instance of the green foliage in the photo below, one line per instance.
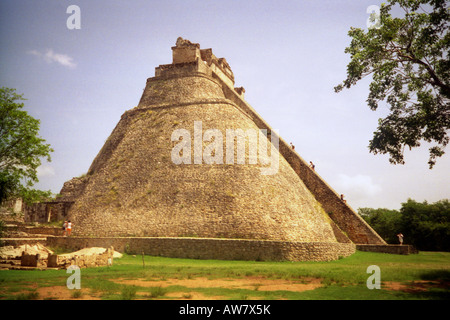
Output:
(21, 148)
(428, 225)
(8, 185)
(32, 195)
(409, 64)
(156, 292)
(76, 294)
(28, 296)
(387, 223)
(128, 293)
(425, 226)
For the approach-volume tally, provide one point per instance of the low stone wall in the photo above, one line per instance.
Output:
(206, 248)
(46, 211)
(89, 260)
(390, 248)
(16, 242)
(33, 260)
(52, 231)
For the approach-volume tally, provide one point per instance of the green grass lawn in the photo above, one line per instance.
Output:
(424, 276)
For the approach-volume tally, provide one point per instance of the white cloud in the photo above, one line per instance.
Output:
(358, 187)
(45, 171)
(50, 56)
(35, 52)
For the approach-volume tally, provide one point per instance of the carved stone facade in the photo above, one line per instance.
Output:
(56, 210)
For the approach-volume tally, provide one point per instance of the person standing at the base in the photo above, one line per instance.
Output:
(64, 227)
(69, 228)
(400, 238)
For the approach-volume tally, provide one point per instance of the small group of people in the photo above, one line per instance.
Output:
(311, 165)
(67, 227)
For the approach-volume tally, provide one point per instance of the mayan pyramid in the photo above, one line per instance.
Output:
(150, 180)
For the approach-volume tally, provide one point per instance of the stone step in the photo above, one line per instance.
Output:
(20, 241)
(15, 262)
(25, 268)
(35, 230)
(388, 248)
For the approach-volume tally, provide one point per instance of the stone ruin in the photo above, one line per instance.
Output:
(56, 209)
(40, 257)
(84, 258)
(133, 189)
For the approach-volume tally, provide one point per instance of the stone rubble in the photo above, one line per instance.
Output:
(38, 256)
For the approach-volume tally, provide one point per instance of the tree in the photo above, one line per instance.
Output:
(21, 148)
(387, 223)
(409, 64)
(425, 225)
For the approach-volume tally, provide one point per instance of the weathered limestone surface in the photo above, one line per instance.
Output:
(58, 209)
(38, 256)
(84, 258)
(134, 189)
(225, 249)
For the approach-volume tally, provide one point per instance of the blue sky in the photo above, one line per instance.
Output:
(288, 55)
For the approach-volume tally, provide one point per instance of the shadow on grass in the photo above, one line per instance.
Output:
(440, 275)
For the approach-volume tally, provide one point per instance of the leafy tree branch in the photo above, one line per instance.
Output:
(21, 148)
(408, 61)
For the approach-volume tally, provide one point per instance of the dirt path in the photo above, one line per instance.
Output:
(251, 283)
(258, 284)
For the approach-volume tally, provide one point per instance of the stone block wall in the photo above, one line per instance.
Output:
(72, 189)
(355, 228)
(16, 205)
(393, 249)
(46, 211)
(208, 248)
(340, 212)
(52, 231)
(57, 209)
(32, 260)
(81, 260)
(185, 51)
(36, 212)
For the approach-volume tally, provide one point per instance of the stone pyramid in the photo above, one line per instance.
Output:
(193, 159)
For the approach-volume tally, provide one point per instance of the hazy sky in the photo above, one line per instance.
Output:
(288, 55)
